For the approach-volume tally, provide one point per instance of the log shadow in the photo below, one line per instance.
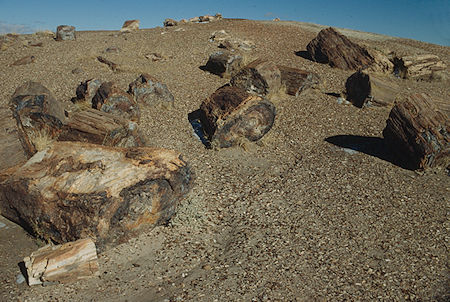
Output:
(373, 146)
(304, 54)
(23, 270)
(195, 118)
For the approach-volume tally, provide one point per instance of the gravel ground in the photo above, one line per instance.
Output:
(290, 218)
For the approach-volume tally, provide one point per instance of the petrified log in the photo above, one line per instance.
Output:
(149, 90)
(260, 77)
(296, 80)
(11, 150)
(224, 63)
(38, 114)
(64, 263)
(419, 67)
(419, 133)
(231, 114)
(130, 25)
(109, 98)
(86, 91)
(74, 190)
(98, 127)
(335, 49)
(65, 32)
(363, 88)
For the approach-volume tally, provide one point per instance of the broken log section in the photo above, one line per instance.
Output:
(260, 77)
(295, 80)
(224, 63)
(74, 190)
(11, 150)
(231, 114)
(419, 133)
(363, 89)
(419, 67)
(65, 263)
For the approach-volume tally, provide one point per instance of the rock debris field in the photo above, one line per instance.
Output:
(294, 191)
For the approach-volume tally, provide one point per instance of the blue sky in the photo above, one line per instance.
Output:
(425, 20)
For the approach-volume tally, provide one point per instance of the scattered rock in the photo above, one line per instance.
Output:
(276, 19)
(418, 67)
(225, 40)
(194, 20)
(231, 115)
(224, 63)
(111, 65)
(65, 33)
(154, 56)
(418, 132)
(35, 44)
(25, 60)
(129, 26)
(109, 98)
(363, 89)
(219, 36)
(74, 190)
(294, 80)
(112, 49)
(170, 22)
(20, 279)
(148, 90)
(64, 263)
(77, 70)
(39, 116)
(335, 49)
(260, 77)
(86, 91)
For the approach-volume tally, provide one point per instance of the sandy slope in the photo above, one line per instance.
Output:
(293, 218)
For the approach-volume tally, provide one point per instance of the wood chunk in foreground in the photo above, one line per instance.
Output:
(74, 190)
(331, 47)
(231, 114)
(419, 133)
(363, 88)
(65, 263)
(260, 77)
(296, 80)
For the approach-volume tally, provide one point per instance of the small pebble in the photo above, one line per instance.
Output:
(20, 278)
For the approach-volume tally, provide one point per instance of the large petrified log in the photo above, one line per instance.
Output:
(295, 80)
(260, 77)
(331, 47)
(147, 89)
(419, 133)
(231, 114)
(109, 98)
(11, 150)
(64, 263)
(224, 63)
(98, 127)
(38, 114)
(419, 67)
(74, 190)
(363, 88)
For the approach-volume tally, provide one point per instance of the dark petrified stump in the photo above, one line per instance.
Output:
(231, 114)
(75, 190)
(419, 132)
(260, 77)
(147, 89)
(335, 49)
(109, 98)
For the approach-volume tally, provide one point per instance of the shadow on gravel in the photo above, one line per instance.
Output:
(304, 54)
(374, 146)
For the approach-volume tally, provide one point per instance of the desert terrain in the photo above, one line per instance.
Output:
(292, 217)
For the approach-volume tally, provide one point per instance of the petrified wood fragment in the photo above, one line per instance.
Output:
(231, 114)
(419, 67)
(109, 98)
(23, 61)
(295, 80)
(64, 263)
(149, 90)
(419, 133)
(260, 77)
(38, 114)
(335, 49)
(11, 150)
(86, 91)
(65, 32)
(98, 127)
(113, 66)
(130, 25)
(224, 63)
(363, 88)
(74, 190)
